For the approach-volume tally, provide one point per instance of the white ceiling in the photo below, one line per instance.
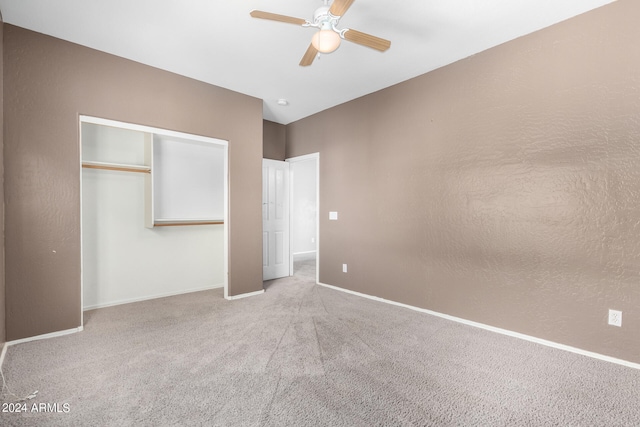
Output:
(219, 43)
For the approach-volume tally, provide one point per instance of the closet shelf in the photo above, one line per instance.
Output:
(179, 222)
(116, 167)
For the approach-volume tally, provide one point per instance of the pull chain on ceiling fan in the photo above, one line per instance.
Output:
(327, 38)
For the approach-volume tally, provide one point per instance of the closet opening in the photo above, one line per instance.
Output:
(154, 209)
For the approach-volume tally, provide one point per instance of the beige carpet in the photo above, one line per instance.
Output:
(305, 355)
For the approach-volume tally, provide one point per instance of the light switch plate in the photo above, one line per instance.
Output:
(333, 216)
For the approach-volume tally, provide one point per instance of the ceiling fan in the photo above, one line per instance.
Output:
(327, 38)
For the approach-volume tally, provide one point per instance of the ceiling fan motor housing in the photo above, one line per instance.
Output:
(321, 15)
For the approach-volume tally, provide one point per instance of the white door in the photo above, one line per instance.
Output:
(275, 219)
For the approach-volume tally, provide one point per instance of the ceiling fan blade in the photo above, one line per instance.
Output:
(367, 40)
(309, 56)
(339, 7)
(275, 17)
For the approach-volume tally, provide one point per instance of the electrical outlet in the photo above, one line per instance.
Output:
(615, 317)
(344, 268)
(313, 240)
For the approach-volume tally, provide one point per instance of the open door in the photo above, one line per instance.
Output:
(275, 219)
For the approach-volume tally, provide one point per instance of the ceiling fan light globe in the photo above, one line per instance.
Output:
(326, 41)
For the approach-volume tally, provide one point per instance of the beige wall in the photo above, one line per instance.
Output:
(504, 188)
(2, 292)
(274, 135)
(49, 83)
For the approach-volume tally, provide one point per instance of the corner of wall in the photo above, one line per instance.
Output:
(273, 140)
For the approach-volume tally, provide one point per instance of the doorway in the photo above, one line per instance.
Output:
(304, 228)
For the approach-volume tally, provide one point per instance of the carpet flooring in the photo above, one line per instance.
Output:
(305, 355)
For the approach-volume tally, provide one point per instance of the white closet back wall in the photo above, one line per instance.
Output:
(124, 261)
(188, 170)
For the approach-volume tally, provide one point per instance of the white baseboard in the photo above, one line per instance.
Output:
(248, 294)
(494, 329)
(150, 297)
(4, 351)
(45, 336)
(35, 338)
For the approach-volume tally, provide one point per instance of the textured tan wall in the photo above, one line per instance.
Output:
(274, 143)
(49, 83)
(504, 188)
(2, 291)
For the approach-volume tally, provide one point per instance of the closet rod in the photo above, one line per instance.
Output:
(122, 168)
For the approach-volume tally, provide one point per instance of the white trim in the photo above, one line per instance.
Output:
(291, 184)
(45, 336)
(4, 352)
(317, 217)
(6, 345)
(150, 129)
(494, 329)
(225, 226)
(155, 296)
(81, 228)
(248, 294)
(303, 157)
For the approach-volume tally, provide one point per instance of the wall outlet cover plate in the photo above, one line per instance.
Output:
(615, 317)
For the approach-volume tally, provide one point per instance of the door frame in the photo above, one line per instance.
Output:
(306, 157)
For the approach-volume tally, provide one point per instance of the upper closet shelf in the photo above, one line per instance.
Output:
(116, 167)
